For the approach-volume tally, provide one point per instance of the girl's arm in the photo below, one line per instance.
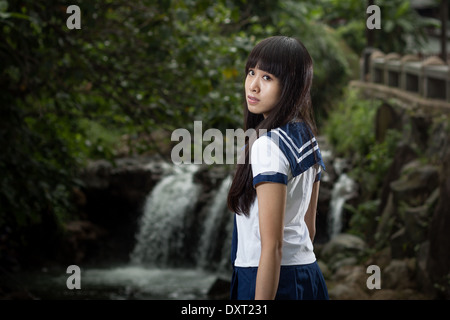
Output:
(310, 215)
(271, 204)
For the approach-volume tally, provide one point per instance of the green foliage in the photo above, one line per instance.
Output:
(134, 72)
(350, 129)
(402, 28)
(363, 220)
(350, 126)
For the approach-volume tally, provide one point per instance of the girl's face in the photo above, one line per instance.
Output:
(262, 91)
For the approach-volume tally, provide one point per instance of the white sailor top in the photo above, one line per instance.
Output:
(289, 155)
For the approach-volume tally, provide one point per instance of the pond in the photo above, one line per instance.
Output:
(120, 283)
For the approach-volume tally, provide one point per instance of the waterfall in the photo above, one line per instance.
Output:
(343, 189)
(215, 242)
(176, 232)
(183, 243)
(162, 234)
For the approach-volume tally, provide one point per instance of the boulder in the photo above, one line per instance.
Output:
(416, 183)
(398, 275)
(324, 268)
(422, 277)
(349, 283)
(386, 222)
(404, 294)
(343, 291)
(403, 154)
(341, 247)
(219, 290)
(400, 246)
(81, 241)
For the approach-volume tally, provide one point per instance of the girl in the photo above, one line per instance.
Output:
(274, 191)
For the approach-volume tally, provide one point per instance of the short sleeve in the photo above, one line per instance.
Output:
(268, 162)
(319, 174)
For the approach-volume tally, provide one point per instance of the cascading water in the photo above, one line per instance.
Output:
(343, 190)
(173, 234)
(180, 249)
(162, 234)
(215, 243)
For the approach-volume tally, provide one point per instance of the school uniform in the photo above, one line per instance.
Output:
(289, 155)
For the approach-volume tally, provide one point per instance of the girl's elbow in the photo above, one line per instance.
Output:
(274, 249)
(312, 234)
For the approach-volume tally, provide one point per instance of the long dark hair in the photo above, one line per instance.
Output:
(287, 59)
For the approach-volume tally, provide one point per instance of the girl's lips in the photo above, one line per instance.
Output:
(252, 100)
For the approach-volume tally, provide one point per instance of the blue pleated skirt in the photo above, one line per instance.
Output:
(299, 282)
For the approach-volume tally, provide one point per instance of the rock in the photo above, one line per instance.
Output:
(96, 174)
(348, 261)
(115, 193)
(84, 230)
(404, 294)
(342, 246)
(343, 291)
(398, 275)
(386, 222)
(385, 294)
(422, 277)
(400, 247)
(381, 258)
(386, 118)
(140, 172)
(324, 268)
(416, 221)
(416, 183)
(347, 272)
(403, 154)
(82, 240)
(412, 224)
(219, 290)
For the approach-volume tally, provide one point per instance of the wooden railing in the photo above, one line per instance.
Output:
(429, 78)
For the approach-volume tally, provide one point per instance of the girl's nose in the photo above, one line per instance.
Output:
(254, 85)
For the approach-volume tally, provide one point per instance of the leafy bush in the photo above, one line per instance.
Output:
(350, 126)
(402, 29)
(350, 129)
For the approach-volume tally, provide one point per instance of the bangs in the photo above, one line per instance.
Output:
(268, 57)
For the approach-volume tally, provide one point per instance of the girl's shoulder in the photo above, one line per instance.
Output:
(296, 133)
(299, 145)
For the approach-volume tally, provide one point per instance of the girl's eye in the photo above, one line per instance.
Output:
(265, 77)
